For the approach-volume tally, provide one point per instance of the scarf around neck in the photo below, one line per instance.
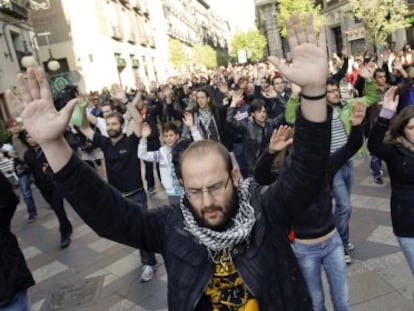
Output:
(238, 231)
(404, 142)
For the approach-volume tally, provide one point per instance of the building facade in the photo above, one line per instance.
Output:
(343, 29)
(100, 42)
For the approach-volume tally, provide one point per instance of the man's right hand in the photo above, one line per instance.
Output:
(40, 117)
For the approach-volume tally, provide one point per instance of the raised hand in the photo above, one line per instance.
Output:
(280, 138)
(188, 119)
(145, 130)
(236, 98)
(118, 93)
(261, 72)
(391, 99)
(310, 61)
(40, 117)
(296, 89)
(358, 113)
(224, 89)
(366, 71)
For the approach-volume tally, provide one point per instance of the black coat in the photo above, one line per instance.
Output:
(318, 219)
(400, 164)
(267, 264)
(14, 274)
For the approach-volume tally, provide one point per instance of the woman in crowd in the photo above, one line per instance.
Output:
(398, 153)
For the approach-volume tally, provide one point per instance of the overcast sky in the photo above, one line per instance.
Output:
(239, 13)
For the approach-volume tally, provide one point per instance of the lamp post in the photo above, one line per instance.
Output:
(52, 63)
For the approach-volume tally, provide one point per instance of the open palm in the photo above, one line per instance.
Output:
(310, 62)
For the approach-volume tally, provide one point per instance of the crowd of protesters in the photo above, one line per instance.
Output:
(256, 162)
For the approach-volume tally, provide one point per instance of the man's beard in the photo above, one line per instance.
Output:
(228, 214)
(114, 133)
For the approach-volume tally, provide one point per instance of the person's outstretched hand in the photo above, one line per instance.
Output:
(281, 139)
(391, 99)
(358, 113)
(40, 117)
(309, 69)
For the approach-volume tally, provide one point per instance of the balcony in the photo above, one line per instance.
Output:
(116, 33)
(135, 4)
(15, 8)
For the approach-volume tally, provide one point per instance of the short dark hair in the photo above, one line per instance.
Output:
(109, 103)
(204, 147)
(169, 126)
(116, 114)
(400, 121)
(257, 104)
(332, 81)
(378, 70)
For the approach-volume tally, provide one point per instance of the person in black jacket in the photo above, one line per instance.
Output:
(42, 175)
(317, 242)
(15, 277)
(215, 243)
(256, 132)
(398, 154)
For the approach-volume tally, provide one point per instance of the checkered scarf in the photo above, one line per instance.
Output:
(239, 230)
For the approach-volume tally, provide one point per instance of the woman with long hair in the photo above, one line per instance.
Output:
(398, 153)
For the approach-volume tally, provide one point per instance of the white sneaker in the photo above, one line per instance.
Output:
(147, 273)
(348, 258)
(350, 247)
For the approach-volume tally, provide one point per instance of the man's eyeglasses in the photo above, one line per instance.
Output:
(196, 195)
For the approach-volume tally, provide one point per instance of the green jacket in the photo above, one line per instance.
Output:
(370, 98)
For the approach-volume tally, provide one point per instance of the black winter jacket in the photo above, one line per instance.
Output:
(14, 274)
(266, 264)
(255, 137)
(318, 219)
(400, 164)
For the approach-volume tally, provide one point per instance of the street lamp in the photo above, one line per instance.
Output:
(52, 63)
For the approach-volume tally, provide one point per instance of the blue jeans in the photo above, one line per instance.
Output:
(147, 258)
(407, 248)
(25, 183)
(342, 185)
(20, 302)
(329, 254)
(375, 166)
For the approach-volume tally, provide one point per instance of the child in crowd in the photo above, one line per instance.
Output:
(164, 155)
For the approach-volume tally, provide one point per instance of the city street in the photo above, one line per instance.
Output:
(97, 274)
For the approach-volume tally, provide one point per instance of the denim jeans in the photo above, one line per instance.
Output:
(342, 185)
(407, 248)
(20, 302)
(147, 258)
(375, 166)
(329, 254)
(25, 183)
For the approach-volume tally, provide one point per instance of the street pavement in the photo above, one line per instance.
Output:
(96, 274)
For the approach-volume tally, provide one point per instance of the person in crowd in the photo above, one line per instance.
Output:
(42, 174)
(256, 132)
(215, 244)
(21, 168)
(317, 243)
(15, 277)
(398, 154)
(372, 114)
(208, 118)
(123, 167)
(341, 127)
(163, 156)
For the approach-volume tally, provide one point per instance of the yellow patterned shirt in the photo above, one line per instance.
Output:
(226, 290)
